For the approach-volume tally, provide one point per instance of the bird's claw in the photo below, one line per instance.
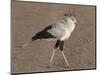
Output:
(68, 66)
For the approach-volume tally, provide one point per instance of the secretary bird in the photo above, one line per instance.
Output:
(61, 31)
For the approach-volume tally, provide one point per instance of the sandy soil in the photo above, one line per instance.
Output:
(28, 18)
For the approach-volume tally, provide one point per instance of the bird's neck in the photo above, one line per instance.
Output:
(70, 24)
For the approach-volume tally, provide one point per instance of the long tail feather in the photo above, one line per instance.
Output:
(25, 44)
(34, 38)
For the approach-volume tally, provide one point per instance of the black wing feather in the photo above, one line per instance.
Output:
(43, 34)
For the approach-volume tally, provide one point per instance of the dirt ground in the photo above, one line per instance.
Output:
(28, 18)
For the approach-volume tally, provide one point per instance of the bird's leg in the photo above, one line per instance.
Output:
(61, 49)
(52, 56)
(67, 64)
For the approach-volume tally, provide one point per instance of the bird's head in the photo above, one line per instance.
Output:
(71, 16)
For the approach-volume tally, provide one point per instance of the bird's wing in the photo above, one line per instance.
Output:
(44, 30)
(58, 29)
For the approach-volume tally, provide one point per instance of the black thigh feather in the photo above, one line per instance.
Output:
(59, 44)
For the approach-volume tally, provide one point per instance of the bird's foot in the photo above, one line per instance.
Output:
(68, 66)
(49, 65)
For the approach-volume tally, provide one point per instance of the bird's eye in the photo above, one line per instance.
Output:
(74, 19)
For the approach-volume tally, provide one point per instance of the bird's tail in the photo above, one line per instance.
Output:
(34, 38)
(25, 44)
(28, 42)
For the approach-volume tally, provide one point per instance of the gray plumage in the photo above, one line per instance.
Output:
(63, 28)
